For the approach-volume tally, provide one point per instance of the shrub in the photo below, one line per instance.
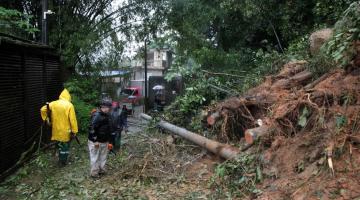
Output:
(341, 47)
(86, 89)
(85, 95)
(82, 110)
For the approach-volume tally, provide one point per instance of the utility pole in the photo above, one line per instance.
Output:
(146, 81)
(44, 13)
(44, 38)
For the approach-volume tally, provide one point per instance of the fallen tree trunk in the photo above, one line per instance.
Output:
(230, 93)
(290, 72)
(302, 76)
(296, 80)
(251, 135)
(224, 150)
(317, 81)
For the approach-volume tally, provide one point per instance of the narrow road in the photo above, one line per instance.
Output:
(148, 166)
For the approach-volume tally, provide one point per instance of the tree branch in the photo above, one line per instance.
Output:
(222, 74)
(110, 14)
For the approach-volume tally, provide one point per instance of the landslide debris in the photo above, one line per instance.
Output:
(305, 125)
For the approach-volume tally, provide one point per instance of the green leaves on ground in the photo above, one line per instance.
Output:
(303, 117)
(341, 121)
(237, 177)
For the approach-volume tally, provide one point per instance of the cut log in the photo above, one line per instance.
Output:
(301, 77)
(251, 135)
(211, 119)
(317, 81)
(296, 80)
(224, 150)
(299, 67)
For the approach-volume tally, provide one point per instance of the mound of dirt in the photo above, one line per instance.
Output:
(311, 123)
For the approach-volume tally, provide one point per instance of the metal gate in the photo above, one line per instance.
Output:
(29, 76)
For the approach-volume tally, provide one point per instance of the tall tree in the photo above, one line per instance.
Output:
(81, 30)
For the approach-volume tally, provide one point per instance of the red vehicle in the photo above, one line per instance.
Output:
(131, 96)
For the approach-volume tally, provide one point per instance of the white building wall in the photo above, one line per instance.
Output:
(140, 74)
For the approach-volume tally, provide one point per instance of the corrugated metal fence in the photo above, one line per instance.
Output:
(29, 77)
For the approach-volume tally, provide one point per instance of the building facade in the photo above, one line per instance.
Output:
(158, 61)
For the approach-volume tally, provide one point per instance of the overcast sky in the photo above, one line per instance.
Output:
(131, 46)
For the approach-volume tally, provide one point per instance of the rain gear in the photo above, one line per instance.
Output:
(63, 118)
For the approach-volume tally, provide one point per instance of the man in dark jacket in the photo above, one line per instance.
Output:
(119, 123)
(99, 139)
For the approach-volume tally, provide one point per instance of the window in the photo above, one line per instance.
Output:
(127, 91)
(164, 56)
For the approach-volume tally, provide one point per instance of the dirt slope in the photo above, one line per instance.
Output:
(308, 120)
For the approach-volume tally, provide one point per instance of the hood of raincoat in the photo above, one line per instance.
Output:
(65, 95)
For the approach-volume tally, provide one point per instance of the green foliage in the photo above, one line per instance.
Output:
(196, 123)
(83, 110)
(320, 64)
(15, 23)
(341, 47)
(185, 107)
(193, 97)
(85, 88)
(41, 161)
(347, 99)
(16, 178)
(240, 39)
(298, 49)
(300, 166)
(199, 83)
(303, 117)
(85, 33)
(233, 177)
(232, 25)
(265, 63)
(329, 11)
(341, 121)
(85, 95)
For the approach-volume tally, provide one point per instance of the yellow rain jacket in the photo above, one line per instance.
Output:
(63, 118)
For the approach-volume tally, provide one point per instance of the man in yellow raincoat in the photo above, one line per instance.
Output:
(63, 122)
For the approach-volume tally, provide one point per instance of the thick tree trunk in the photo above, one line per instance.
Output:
(251, 135)
(224, 150)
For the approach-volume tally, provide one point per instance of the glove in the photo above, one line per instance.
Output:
(110, 146)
